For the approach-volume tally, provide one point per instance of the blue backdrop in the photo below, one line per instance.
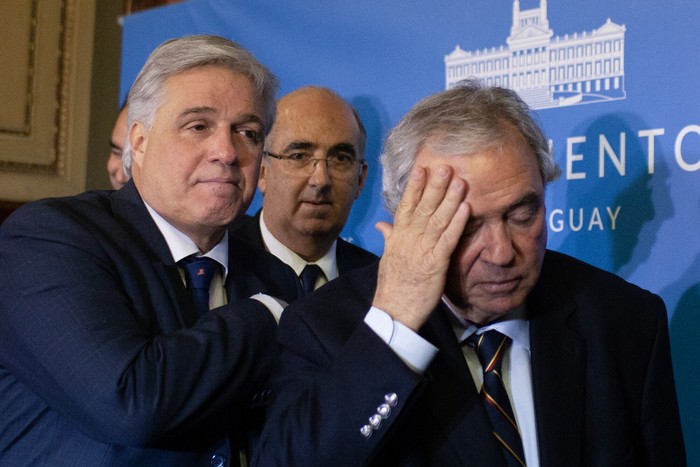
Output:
(615, 84)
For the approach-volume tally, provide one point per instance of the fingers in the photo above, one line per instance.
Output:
(429, 205)
(451, 234)
(441, 204)
(428, 225)
(411, 195)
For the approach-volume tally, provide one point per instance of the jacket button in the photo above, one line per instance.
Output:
(366, 431)
(217, 461)
(375, 421)
(384, 410)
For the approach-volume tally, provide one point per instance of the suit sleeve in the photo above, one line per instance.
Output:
(97, 337)
(326, 389)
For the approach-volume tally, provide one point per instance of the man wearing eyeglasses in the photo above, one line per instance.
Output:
(312, 172)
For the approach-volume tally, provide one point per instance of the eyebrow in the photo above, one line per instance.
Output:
(298, 144)
(526, 200)
(114, 145)
(203, 110)
(196, 111)
(336, 148)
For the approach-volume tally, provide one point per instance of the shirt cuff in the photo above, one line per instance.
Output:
(410, 347)
(274, 305)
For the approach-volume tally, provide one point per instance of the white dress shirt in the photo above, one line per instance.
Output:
(181, 246)
(327, 262)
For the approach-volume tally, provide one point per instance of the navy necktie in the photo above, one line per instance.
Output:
(308, 277)
(200, 272)
(490, 347)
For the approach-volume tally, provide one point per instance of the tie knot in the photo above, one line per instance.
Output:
(489, 347)
(309, 276)
(199, 271)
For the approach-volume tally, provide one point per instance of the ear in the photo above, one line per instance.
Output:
(138, 139)
(262, 179)
(362, 176)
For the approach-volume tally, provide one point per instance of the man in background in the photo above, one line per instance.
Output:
(127, 337)
(115, 168)
(312, 172)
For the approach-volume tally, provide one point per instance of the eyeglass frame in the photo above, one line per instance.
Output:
(315, 161)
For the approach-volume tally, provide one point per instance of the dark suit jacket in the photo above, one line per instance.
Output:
(602, 381)
(102, 361)
(347, 255)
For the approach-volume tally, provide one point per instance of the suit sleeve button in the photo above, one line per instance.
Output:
(217, 461)
(392, 399)
(384, 410)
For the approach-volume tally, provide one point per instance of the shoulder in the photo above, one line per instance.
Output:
(566, 270)
(350, 256)
(565, 280)
(247, 228)
(54, 215)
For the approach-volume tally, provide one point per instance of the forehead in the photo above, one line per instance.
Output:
(217, 88)
(119, 130)
(497, 176)
(318, 118)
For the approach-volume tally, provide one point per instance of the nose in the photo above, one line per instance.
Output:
(320, 174)
(498, 248)
(223, 148)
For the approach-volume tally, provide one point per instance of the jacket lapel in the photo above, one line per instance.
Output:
(253, 270)
(558, 362)
(453, 400)
(131, 211)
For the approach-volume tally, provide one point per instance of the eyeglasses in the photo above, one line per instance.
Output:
(339, 165)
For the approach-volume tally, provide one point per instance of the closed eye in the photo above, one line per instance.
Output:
(523, 215)
(471, 228)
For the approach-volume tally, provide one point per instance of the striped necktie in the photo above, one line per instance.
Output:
(490, 347)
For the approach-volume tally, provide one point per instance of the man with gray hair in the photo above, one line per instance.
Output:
(470, 343)
(127, 337)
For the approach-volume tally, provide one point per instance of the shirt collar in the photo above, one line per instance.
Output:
(327, 262)
(514, 324)
(182, 246)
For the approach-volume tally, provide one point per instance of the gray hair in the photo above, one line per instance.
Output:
(185, 53)
(462, 120)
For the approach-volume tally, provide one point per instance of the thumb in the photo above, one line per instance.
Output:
(384, 228)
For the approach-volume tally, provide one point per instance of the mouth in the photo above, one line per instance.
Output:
(314, 202)
(500, 287)
(221, 181)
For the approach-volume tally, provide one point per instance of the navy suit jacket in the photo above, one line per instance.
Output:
(347, 255)
(102, 361)
(601, 373)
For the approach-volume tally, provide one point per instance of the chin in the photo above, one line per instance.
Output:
(318, 228)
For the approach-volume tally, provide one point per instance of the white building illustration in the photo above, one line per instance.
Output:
(548, 71)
